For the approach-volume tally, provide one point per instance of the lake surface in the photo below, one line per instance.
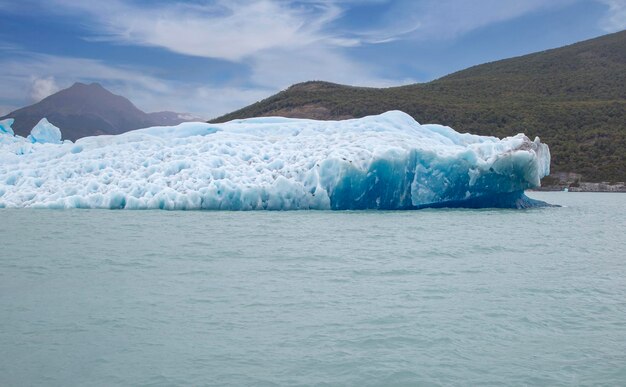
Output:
(431, 297)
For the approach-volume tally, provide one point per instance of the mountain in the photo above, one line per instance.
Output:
(573, 97)
(87, 110)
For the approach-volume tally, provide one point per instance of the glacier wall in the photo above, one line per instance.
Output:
(387, 162)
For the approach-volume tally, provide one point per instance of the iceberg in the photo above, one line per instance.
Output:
(5, 126)
(45, 132)
(386, 162)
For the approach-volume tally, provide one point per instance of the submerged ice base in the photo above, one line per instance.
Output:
(386, 162)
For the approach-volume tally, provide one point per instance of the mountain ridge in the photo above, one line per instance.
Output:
(88, 109)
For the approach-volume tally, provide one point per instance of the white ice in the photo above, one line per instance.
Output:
(45, 132)
(5, 126)
(387, 161)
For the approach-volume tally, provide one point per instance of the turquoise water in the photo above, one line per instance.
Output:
(431, 297)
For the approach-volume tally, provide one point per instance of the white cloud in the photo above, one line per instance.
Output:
(34, 76)
(42, 87)
(6, 109)
(446, 19)
(223, 29)
(615, 19)
(285, 42)
(236, 29)
(281, 42)
(24, 67)
(202, 101)
(280, 69)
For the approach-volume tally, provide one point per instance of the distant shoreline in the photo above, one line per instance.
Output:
(574, 182)
(584, 187)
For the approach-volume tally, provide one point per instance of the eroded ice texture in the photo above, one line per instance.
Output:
(5, 126)
(378, 162)
(45, 132)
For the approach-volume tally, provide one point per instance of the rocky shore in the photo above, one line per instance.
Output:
(572, 182)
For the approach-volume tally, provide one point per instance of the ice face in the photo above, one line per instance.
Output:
(5, 126)
(45, 132)
(378, 162)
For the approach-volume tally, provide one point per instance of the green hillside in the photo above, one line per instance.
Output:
(573, 97)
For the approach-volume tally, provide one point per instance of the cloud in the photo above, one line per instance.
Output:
(206, 101)
(202, 101)
(238, 29)
(445, 19)
(28, 66)
(615, 19)
(32, 76)
(43, 87)
(280, 69)
(286, 41)
(277, 42)
(222, 29)
(6, 109)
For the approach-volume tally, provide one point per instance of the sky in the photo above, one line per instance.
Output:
(209, 57)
